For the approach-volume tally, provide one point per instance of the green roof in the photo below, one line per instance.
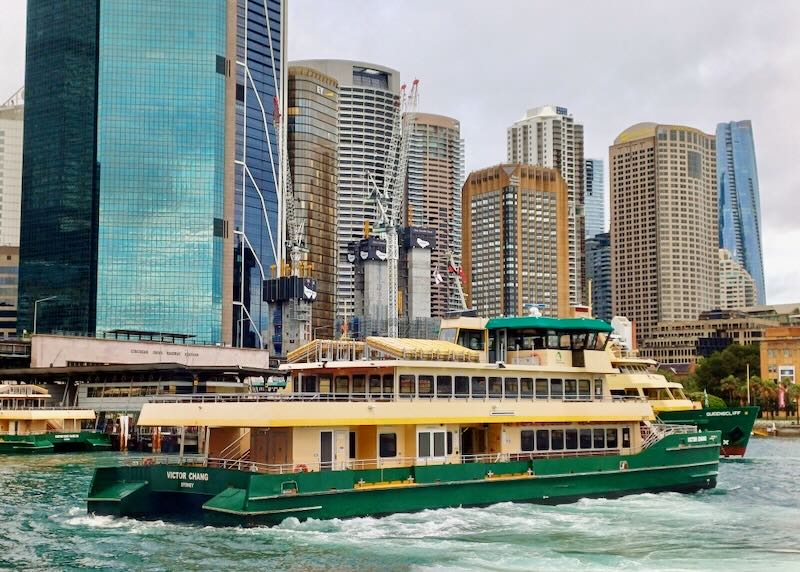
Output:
(561, 324)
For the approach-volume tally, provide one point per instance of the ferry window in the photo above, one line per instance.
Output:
(626, 437)
(542, 440)
(602, 338)
(599, 440)
(462, 386)
(564, 342)
(387, 445)
(438, 443)
(425, 385)
(584, 389)
(325, 384)
(310, 384)
(471, 339)
(449, 442)
(632, 392)
(478, 387)
(526, 387)
(527, 440)
(591, 341)
(375, 384)
(424, 444)
(407, 383)
(496, 386)
(552, 340)
(444, 386)
(541, 388)
(539, 342)
(388, 384)
(660, 394)
(557, 439)
(431, 444)
(352, 444)
(448, 335)
(678, 393)
(598, 388)
(570, 389)
(586, 438)
(611, 438)
(512, 387)
(342, 385)
(579, 341)
(359, 384)
(571, 439)
(556, 388)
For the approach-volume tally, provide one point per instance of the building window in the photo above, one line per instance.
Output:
(387, 445)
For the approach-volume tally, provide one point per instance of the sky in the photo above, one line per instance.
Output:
(612, 63)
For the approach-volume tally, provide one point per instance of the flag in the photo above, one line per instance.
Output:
(437, 276)
(781, 396)
(705, 398)
(459, 271)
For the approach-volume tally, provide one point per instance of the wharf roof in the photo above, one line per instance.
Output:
(540, 323)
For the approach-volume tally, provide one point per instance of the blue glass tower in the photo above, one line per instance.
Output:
(150, 199)
(739, 203)
(594, 198)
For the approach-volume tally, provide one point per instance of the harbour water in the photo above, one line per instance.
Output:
(750, 522)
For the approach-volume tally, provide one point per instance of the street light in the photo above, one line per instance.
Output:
(36, 308)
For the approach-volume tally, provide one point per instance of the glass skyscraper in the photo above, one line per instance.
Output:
(150, 171)
(739, 203)
(594, 198)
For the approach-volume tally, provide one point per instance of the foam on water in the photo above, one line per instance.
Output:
(744, 524)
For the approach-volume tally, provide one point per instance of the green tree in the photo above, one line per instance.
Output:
(793, 396)
(732, 387)
(733, 360)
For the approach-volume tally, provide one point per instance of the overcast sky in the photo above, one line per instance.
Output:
(611, 63)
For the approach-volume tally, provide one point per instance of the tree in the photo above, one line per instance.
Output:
(733, 360)
(732, 387)
(793, 396)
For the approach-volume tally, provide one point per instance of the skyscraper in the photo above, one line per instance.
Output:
(594, 199)
(435, 177)
(312, 138)
(739, 202)
(737, 289)
(368, 100)
(548, 136)
(664, 255)
(598, 270)
(11, 113)
(515, 240)
(150, 168)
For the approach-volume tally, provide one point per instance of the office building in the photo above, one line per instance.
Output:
(150, 167)
(368, 102)
(737, 289)
(312, 116)
(739, 202)
(780, 354)
(550, 137)
(664, 254)
(433, 185)
(515, 229)
(598, 274)
(11, 114)
(594, 198)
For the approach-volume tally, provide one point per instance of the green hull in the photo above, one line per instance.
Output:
(735, 424)
(684, 463)
(55, 442)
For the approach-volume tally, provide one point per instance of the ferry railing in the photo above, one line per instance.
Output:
(654, 432)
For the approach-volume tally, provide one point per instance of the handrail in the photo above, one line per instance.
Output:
(654, 432)
(229, 448)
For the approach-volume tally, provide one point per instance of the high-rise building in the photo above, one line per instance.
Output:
(9, 267)
(515, 228)
(664, 254)
(739, 202)
(312, 116)
(11, 113)
(150, 167)
(594, 198)
(598, 271)
(368, 101)
(737, 289)
(548, 136)
(433, 187)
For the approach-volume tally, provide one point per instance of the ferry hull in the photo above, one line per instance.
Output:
(683, 463)
(55, 442)
(735, 424)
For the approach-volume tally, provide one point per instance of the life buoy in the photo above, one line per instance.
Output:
(149, 461)
(300, 468)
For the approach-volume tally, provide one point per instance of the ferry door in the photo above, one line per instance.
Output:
(12, 427)
(325, 450)
(502, 345)
(342, 450)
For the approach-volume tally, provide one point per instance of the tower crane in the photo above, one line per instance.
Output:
(389, 197)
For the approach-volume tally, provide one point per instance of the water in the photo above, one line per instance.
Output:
(750, 522)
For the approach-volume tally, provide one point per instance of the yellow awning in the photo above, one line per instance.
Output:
(413, 349)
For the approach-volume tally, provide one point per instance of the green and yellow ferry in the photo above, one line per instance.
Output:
(29, 424)
(638, 377)
(398, 425)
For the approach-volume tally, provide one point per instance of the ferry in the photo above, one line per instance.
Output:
(638, 377)
(393, 425)
(29, 424)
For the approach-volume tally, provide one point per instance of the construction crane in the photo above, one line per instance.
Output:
(389, 198)
(453, 268)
